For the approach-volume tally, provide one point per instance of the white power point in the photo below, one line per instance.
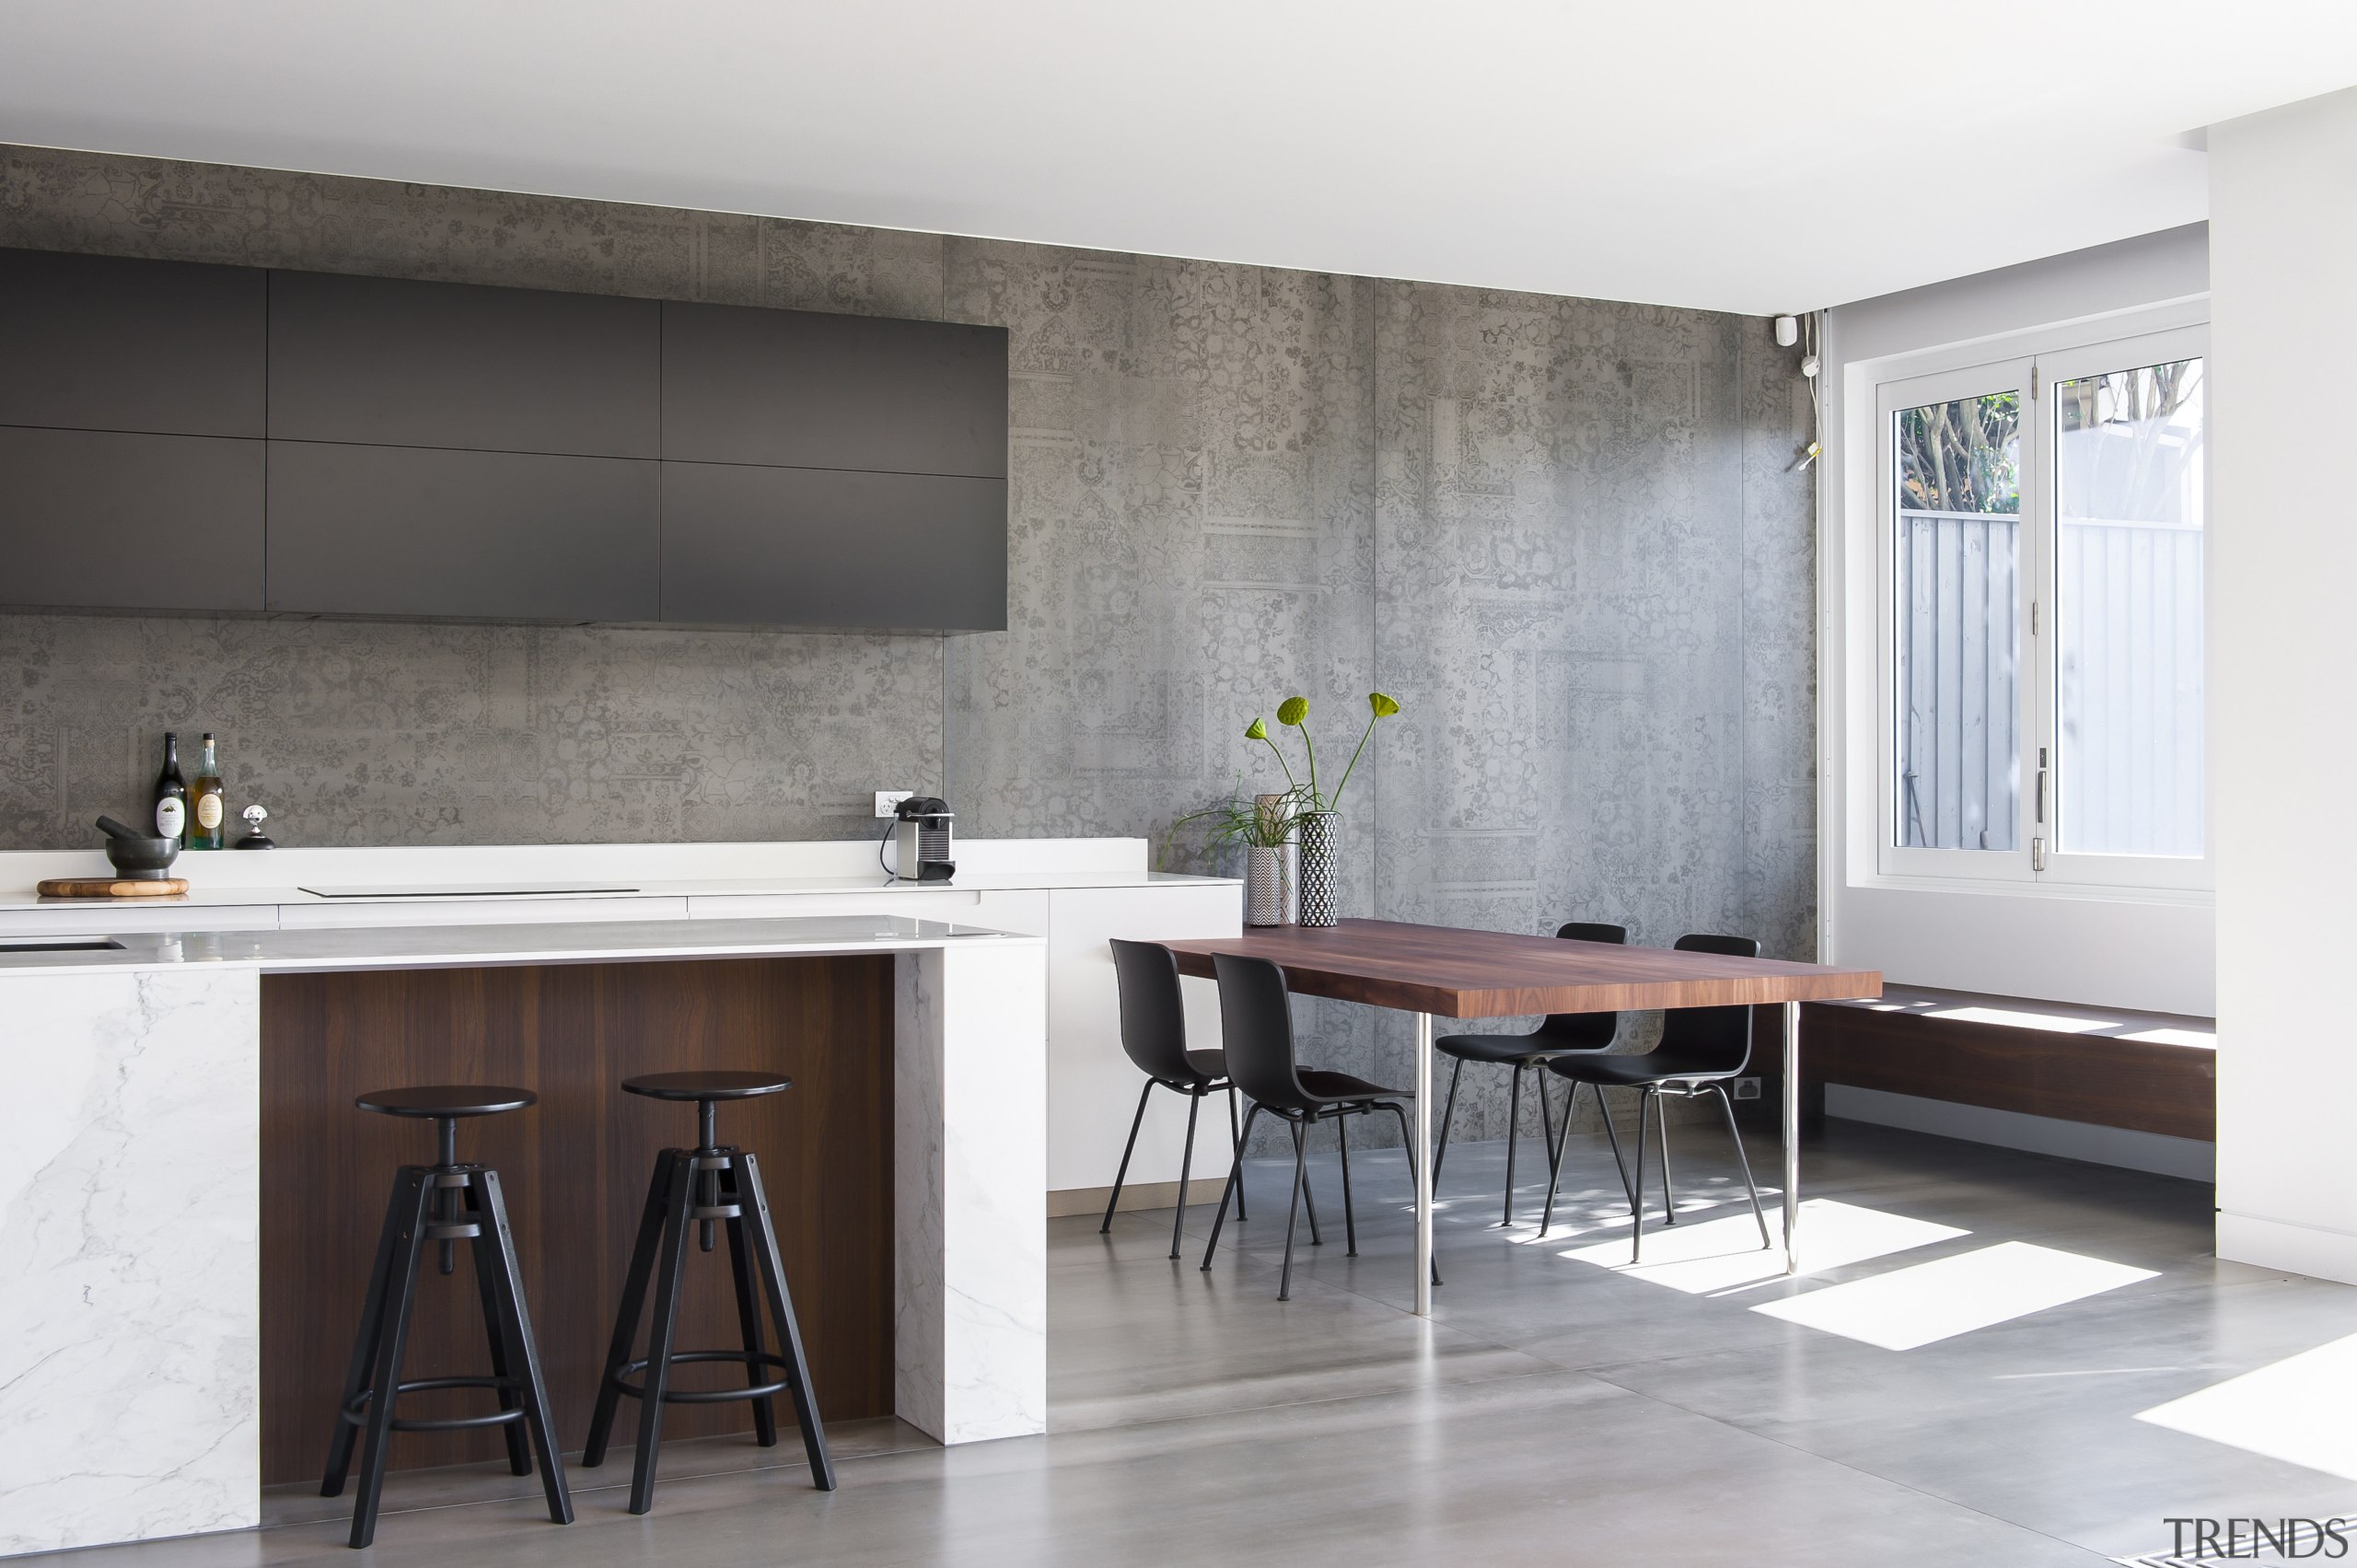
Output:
(1747, 1088)
(887, 800)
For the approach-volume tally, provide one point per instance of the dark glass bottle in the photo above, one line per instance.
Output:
(206, 805)
(171, 791)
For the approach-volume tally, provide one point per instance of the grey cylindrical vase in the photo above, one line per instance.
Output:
(1264, 886)
(1321, 832)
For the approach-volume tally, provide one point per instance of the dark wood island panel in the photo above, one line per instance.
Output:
(574, 1169)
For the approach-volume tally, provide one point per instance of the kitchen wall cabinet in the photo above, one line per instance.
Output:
(427, 451)
(388, 362)
(98, 519)
(428, 532)
(747, 546)
(102, 343)
(795, 389)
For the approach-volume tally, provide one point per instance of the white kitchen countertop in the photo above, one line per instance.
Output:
(468, 947)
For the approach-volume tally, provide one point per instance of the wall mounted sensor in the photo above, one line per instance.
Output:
(1788, 331)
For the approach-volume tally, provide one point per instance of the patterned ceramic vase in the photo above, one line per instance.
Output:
(1321, 834)
(1264, 886)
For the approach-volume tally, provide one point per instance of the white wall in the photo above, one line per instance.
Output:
(2155, 956)
(2283, 271)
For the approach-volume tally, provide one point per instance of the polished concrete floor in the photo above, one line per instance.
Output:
(1559, 1408)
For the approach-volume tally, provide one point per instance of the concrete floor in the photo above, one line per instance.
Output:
(1558, 1410)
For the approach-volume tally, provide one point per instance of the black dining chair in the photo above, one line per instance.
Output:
(1701, 1049)
(1154, 1034)
(1560, 1033)
(1256, 1026)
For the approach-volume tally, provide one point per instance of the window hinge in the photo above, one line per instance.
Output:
(2032, 383)
(2038, 855)
(2033, 618)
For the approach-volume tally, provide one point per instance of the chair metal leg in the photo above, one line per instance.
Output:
(1727, 1105)
(1234, 1189)
(1661, 1122)
(524, 1350)
(1237, 1138)
(1408, 1147)
(1284, 1280)
(1309, 1206)
(1612, 1136)
(1637, 1198)
(1448, 1117)
(494, 1326)
(748, 1330)
(1186, 1168)
(753, 1199)
(626, 1316)
(1546, 1111)
(1127, 1149)
(1350, 1221)
(1514, 1120)
(1555, 1163)
(678, 1203)
(364, 1347)
(409, 1253)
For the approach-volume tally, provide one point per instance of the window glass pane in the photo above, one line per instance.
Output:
(2128, 624)
(1958, 553)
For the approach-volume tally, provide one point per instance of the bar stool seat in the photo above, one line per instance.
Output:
(708, 1185)
(714, 1086)
(446, 1202)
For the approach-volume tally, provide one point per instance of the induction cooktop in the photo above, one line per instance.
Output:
(466, 891)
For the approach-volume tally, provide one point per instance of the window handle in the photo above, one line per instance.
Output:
(2041, 786)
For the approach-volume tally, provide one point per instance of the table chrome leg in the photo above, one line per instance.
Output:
(1424, 1150)
(1792, 1137)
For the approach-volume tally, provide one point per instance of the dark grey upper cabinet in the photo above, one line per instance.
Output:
(496, 536)
(828, 547)
(104, 343)
(799, 389)
(104, 519)
(385, 362)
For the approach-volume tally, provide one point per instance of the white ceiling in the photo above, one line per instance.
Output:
(1729, 154)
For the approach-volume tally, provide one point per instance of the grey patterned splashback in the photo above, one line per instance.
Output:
(1562, 531)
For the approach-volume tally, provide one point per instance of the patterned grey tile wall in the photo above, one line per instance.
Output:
(1563, 532)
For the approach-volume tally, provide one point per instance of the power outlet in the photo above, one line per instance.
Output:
(886, 799)
(1747, 1088)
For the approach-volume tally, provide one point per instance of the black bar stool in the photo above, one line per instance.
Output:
(709, 1184)
(445, 1202)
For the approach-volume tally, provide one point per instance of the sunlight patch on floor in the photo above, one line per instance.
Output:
(1724, 1254)
(1928, 1302)
(2296, 1411)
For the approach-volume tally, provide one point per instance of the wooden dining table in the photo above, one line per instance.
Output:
(1430, 971)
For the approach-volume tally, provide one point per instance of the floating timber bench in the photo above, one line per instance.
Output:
(2143, 1072)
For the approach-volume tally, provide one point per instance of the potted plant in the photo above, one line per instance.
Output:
(1318, 818)
(1263, 825)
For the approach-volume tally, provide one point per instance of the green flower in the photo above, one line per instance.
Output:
(1292, 711)
(1257, 732)
(1384, 706)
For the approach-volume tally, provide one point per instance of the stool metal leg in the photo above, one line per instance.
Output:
(748, 1328)
(495, 1328)
(409, 1252)
(364, 1348)
(514, 1326)
(755, 1201)
(678, 1203)
(626, 1315)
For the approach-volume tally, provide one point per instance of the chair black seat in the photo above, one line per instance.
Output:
(1325, 1085)
(718, 1085)
(447, 1099)
(1210, 1066)
(1501, 1048)
(1665, 1065)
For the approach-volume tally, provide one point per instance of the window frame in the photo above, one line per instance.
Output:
(2034, 368)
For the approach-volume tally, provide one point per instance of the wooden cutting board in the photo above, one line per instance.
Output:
(111, 887)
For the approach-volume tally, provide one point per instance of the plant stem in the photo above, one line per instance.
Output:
(1282, 762)
(1364, 734)
(1305, 746)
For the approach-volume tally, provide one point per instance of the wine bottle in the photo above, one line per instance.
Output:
(206, 805)
(171, 791)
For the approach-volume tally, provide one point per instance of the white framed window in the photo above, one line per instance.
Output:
(2039, 638)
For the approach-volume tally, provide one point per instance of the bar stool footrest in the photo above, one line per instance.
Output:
(710, 1396)
(357, 1412)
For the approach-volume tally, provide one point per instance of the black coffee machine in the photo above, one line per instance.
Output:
(920, 838)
